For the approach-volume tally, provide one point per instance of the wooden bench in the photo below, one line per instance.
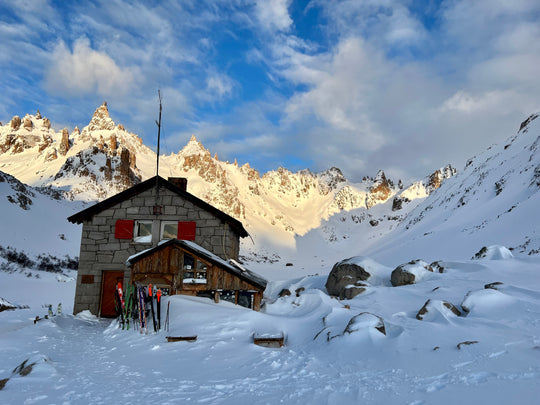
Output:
(181, 338)
(269, 341)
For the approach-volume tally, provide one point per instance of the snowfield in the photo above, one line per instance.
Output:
(334, 352)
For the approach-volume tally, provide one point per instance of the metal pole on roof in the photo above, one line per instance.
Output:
(158, 123)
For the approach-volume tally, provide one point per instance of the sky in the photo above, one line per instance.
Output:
(399, 85)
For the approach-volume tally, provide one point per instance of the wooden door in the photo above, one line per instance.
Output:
(109, 282)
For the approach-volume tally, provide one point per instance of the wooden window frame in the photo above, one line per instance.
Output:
(195, 270)
(139, 239)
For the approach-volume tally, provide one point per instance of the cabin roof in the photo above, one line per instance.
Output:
(89, 212)
(201, 252)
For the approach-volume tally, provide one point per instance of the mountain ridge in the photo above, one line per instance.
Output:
(103, 159)
(492, 201)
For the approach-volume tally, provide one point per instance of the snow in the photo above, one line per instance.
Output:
(495, 253)
(335, 352)
(332, 354)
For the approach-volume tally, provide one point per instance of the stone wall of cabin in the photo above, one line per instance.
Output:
(100, 251)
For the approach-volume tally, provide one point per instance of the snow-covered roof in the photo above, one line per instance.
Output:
(192, 247)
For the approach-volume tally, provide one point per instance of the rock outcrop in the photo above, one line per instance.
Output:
(16, 122)
(381, 190)
(64, 143)
(346, 280)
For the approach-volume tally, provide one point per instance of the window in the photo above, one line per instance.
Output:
(194, 270)
(143, 232)
(183, 230)
(169, 229)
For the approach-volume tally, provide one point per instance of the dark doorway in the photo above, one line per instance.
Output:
(108, 288)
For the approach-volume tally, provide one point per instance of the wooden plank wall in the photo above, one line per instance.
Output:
(167, 263)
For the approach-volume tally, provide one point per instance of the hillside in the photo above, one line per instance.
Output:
(492, 201)
(34, 233)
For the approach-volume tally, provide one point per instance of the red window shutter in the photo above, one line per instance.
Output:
(186, 230)
(123, 229)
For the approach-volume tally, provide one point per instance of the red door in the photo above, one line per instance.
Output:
(108, 289)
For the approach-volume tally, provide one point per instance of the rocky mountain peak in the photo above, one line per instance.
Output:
(332, 178)
(194, 147)
(381, 190)
(436, 178)
(101, 120)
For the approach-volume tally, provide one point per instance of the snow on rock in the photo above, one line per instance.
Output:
(486, 302)
(424, 188)
(411, 273)
(6, 305)
(365, 320)
(436, 310)
(352, 276)
(37, 367)
(346, 280)
(494, 252)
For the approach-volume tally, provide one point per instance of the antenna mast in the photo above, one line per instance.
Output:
(157, 207)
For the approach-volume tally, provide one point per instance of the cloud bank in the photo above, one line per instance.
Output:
(362, 85)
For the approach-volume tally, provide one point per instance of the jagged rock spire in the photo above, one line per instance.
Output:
(101, 120)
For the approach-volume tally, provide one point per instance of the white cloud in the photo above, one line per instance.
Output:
(218, 86)
(340, 94)
(273, 15)
(384, 22)
(467, 103)
(87, 71)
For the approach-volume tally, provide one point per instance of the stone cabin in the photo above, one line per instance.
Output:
(131, 224)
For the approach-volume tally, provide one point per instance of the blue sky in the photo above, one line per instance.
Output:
(404, 86)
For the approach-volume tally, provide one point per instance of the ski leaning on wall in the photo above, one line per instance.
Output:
(134, 307)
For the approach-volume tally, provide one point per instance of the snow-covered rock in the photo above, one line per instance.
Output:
(346, 280)
(494, 252)
(410, 273)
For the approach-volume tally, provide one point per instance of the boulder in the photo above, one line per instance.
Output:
(365, 320)
(493, 286)
(285, 293)
(437, 267)
(409, 273)
(346, 280)
(466, 343)
(494, 252)
(432, 306)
